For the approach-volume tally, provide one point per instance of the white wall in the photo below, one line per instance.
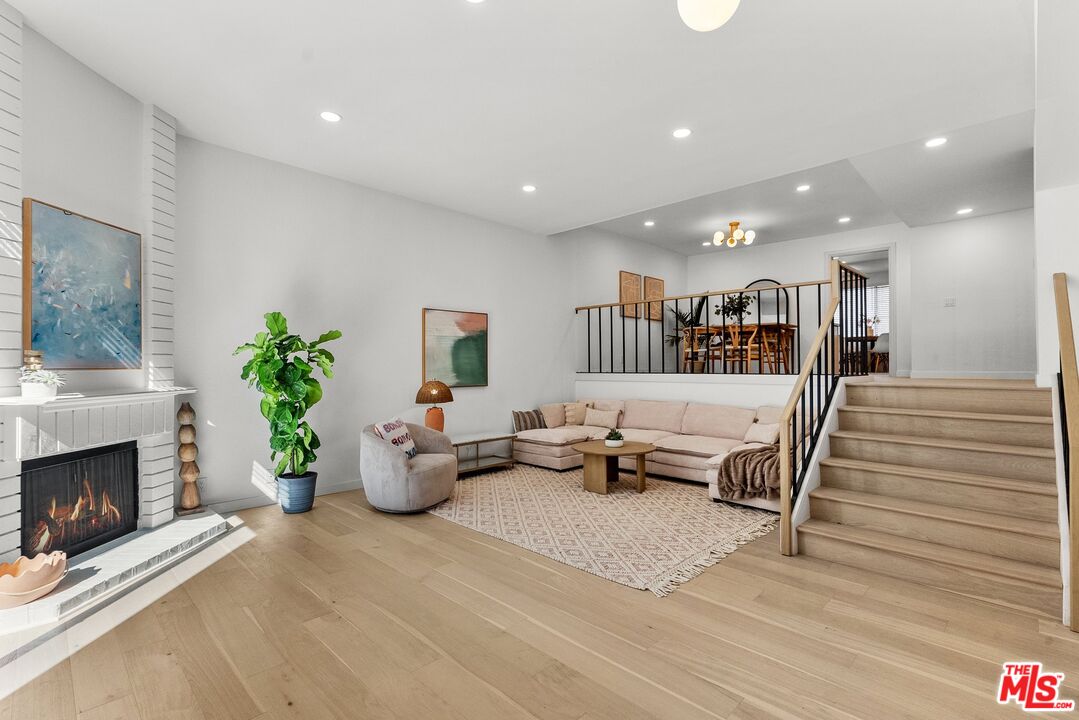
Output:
(256, 236)
(987, 265)
(82, 150)
(1056, 197)
(1056, 171)
(984, 263)
(747, 392)
(595, 257)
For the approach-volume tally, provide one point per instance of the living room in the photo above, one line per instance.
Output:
(721, 516)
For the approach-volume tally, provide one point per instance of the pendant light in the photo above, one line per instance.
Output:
(746, 237)
(706, 15)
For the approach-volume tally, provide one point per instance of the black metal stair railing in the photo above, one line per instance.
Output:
(839, 348)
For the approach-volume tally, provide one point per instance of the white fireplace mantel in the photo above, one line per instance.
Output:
(39, 427)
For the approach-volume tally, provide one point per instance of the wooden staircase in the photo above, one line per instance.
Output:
(950, 484)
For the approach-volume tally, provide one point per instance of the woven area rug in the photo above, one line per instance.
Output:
(649, 541)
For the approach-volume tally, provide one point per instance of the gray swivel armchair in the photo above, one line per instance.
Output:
(395, 483)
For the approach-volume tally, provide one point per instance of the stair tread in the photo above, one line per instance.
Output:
(986, 481)
(964, 516)
(950, 414)
(1024, 571)
(999, 448)
(954, 384)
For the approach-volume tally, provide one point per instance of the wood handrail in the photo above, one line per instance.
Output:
(1069, 371)
(708, 293)
(785, 469)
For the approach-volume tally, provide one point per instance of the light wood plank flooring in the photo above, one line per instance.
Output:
(348, 613)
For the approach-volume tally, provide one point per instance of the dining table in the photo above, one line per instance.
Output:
(738, 345)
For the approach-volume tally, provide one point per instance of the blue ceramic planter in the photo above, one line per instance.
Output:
(296, 493)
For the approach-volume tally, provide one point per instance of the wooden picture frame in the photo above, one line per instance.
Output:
(75, 242)
(456, 347)
(654, 289)
(629, 290)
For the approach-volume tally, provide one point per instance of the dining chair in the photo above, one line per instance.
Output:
(880, 353)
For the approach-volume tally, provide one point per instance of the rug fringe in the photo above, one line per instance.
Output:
(692, 568)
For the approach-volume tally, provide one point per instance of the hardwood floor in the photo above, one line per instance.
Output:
(348, 613)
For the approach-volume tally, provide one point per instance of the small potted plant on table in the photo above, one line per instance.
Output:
(282, 369)
(614, 439)
(40, 383)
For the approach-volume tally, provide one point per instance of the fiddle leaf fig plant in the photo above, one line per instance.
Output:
(282, 370)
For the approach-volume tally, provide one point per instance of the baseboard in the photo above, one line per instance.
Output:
(988, 374)
(228, 506)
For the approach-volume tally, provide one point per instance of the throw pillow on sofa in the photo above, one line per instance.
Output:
(395, 432)
(575, 413)
(767, 433)
(601, 418)
(527, 420)
(554, 414)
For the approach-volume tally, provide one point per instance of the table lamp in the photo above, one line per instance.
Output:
(434, 391)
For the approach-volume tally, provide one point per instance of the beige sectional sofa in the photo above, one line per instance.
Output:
(690, 438)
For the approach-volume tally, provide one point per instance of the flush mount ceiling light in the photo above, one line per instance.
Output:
(649, 223)
(964, 211)
(682, 133)
(802, 188)
(475, 2)
(706, 15)
(529, 188)
(935, 142)
(844, 220)
(746, 237)
(706, 243)
(330, 116)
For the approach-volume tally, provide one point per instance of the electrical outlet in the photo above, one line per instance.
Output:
(949, 302)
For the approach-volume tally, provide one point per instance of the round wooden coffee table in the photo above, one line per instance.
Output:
(601, 463)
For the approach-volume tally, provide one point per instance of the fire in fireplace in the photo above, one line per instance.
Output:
(77, 501)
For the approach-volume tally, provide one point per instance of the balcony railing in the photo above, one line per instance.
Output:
(759, 329)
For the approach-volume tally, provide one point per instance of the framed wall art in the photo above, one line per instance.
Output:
(629, 289)
(654, 290)
(455, 347)
(82, 290)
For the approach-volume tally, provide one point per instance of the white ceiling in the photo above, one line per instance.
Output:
(773, 208)
(988, 167)
(460, 104)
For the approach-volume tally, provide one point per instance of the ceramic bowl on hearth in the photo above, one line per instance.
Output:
(28, 579)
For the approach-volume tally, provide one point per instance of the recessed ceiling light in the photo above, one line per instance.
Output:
(330, 116)
(529, 188)
(936, 142)
(802, 188)
(706, 243)
(964, 211)
(682, 133)
(649, 223)
(475, 2)
(844, 219)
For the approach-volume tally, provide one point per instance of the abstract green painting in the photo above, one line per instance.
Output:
(455, 347)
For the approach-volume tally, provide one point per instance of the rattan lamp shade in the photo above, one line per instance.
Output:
(433, 392)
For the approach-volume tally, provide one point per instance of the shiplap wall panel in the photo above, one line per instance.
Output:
(160, 269)
(11, 24)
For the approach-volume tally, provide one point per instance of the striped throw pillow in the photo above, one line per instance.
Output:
(527, 420)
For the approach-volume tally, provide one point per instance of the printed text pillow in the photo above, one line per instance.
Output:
(395, 432)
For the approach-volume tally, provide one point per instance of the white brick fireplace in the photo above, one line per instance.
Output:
(31, 429)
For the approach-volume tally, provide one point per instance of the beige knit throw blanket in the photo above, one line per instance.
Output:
(750, 473)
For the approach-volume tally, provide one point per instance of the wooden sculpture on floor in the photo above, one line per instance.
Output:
(190, 502)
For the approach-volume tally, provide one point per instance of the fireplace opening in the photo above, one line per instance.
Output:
(77, 501)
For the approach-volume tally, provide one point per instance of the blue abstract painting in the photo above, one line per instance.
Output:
(85, 300)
